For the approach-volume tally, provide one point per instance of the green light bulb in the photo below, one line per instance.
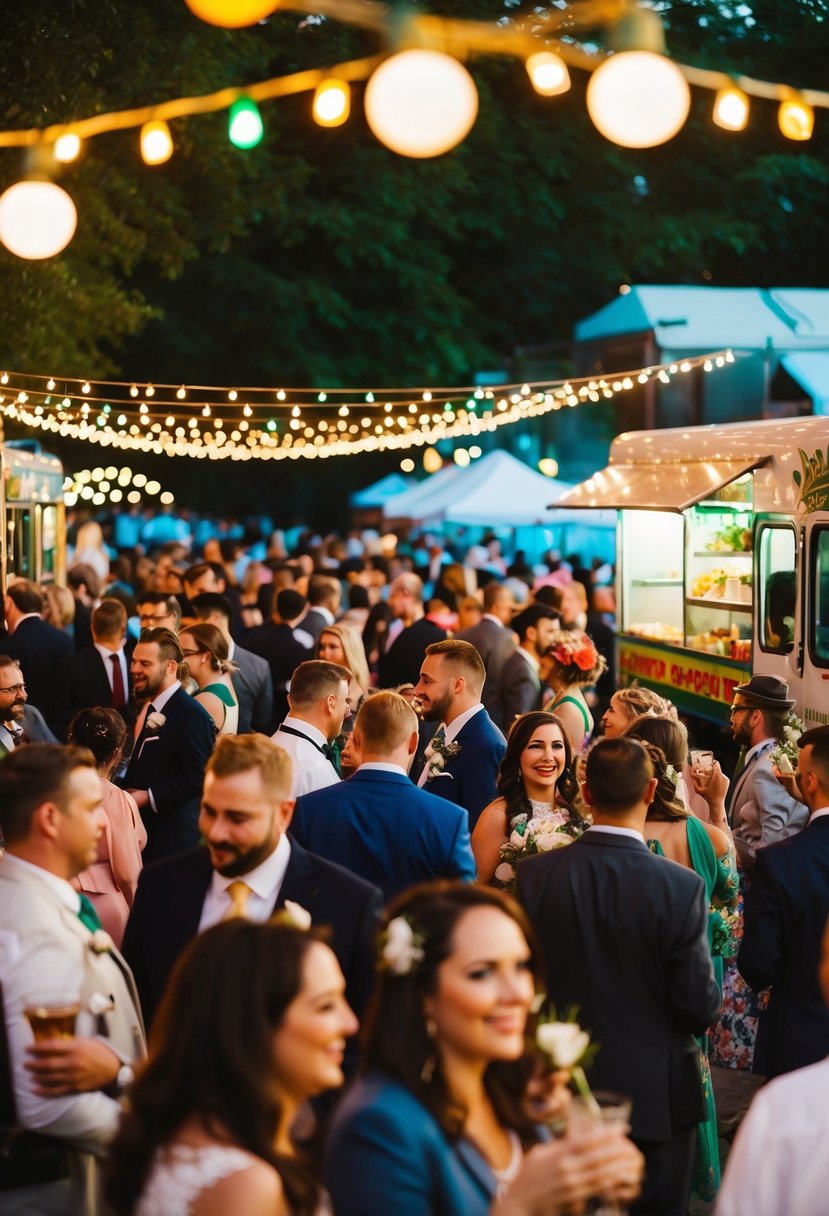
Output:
(244, 124)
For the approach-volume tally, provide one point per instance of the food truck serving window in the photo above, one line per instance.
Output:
(820, 598)
(776, 564)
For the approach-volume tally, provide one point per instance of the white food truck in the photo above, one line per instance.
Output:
(723, 559)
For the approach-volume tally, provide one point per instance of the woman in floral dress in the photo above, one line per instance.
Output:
(534, 811)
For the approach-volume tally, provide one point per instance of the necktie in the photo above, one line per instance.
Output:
(141, 722)
(239, 893)
(119, 697)
(87, 914)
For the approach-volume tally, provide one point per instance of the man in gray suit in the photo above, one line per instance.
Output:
(761, 810)
(252, 678)
(19, 722)
(53, 950)
(494, 641)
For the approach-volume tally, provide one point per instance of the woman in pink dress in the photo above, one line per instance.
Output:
(111, 880)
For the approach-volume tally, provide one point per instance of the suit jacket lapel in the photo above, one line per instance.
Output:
(295, 884)
(474, 1164)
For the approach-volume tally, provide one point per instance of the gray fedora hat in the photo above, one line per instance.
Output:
(768, 692)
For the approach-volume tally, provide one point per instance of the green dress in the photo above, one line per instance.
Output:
(230, 722)
(721, 888)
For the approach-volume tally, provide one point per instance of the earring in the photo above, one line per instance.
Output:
(431, 1061)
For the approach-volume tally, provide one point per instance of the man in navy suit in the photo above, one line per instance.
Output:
(461, 762)
(248, 867)
(174, 737)
(786, 908)
(623, 937)
(377, 823)
(99, 674)
(36, 645)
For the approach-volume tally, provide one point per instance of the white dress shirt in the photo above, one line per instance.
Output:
(265, 883)
(778, 1163)
(312, 769)
(617, 831)
(106, 654)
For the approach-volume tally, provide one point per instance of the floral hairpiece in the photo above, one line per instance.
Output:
(575, 647)
(672, 775)
(401, 947)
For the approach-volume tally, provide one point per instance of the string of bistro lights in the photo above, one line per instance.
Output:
(219, 423)
(420, 100)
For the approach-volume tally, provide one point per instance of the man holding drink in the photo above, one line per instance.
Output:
(72, 1019)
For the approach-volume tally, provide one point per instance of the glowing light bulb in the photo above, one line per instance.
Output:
(67, 147)
(37, 219)
(638, 99)
(232, 14)
(50, 384)
(245, 128)
(421, 103)
(731, 109)
(156, 143)
(149, 390)
(332, 103)
(548, 73)
(181, 393)
(796, 119)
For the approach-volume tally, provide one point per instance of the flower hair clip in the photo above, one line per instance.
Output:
(401, 948)
(573, 646)
(672, 775)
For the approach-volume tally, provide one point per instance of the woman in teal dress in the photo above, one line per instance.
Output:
(673, 832)
(206, 653)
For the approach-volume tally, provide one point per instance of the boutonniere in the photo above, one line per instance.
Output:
(437, 754)
(155, 721)
(98, 1003)
(296, 915)
(101, 942)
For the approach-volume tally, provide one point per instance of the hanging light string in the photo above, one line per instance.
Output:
(266, 423)
(454, 36)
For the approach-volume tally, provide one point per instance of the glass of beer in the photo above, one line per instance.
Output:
(52, 1013)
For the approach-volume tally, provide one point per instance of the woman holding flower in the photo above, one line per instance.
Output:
(534, 810)
(574, 663)
(440, 1123)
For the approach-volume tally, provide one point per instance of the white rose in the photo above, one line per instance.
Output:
(564, 1042)
(299, 917)
(505, 872)
(98, 1004)
(156, 721)
(101, 942)
(519, 819)
(436, 763)
(552, 840)
(518, 841)
(784, 763)
(399, 949)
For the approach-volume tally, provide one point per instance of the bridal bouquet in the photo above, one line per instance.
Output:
(784, 755)
(534, 835)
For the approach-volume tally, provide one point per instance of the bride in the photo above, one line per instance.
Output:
(253, 1023)
(536, 786)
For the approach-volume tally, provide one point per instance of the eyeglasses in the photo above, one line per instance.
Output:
(740, 709)
(14, 688)
(188, 654)
(165, 616)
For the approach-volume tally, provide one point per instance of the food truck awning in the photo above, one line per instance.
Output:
(659, 486)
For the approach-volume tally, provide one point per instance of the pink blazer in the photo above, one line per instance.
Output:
(111, 880)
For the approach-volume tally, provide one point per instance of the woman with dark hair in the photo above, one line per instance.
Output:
(111, 880)
(206, 653)
(438, 1123)
(536, 786)
(673, 832)
(571, 664)
(253, 1023)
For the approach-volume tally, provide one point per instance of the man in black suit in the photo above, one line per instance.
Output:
(623, 937)
(249, 867)
(283, 643)
(37, 646)
(209, 578)
(174, 737)
(252, 678)
(324, 602)
(401, 662)
(494, 641)
(100, 674)
(786, 907)
(522, 686)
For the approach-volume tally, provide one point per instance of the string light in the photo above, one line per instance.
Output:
(731, 109)
(332, 103)
(306, 426)
(795, 118)
(67, 148)
(156, 143)
(548, 73)
(245, 128)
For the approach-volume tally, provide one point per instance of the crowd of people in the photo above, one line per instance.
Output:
(303, 856)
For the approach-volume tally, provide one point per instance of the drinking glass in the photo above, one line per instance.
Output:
(52, 1013)
(604, 1109)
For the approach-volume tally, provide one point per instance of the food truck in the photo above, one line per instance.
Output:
(723, 560)
(32, 519)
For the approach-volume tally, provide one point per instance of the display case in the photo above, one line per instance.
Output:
(687, 577)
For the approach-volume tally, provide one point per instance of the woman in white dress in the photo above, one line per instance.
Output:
(254, 1023)
(536, 785)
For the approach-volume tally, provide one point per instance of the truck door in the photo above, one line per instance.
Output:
(814, 701)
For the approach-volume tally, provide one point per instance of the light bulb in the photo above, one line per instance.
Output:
(432, 460)
(37, 219)
(156, 143)
(332, 103)
(244, 124)
(638, 99)
(548, 73)
(67, 147)
(232, 14)
(731, 109)
(796, 119)
(421, 103)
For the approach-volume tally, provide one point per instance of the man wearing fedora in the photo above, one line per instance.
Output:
(761, 810)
